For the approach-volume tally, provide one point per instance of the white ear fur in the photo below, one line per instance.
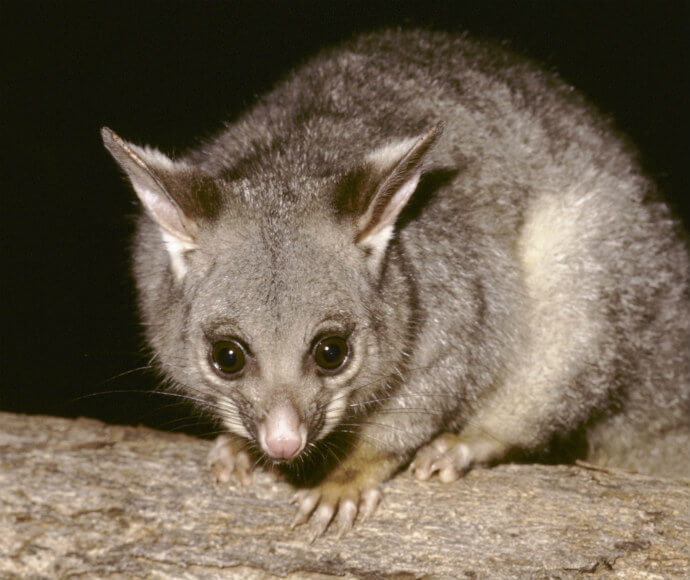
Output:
(376, 239)
(176, 250)
(401, 164)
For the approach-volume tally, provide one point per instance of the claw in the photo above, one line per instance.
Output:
(320, 520)
(347, 513)
(371, 498)
(307, 503)
(299, 495)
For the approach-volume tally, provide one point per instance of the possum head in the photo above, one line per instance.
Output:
(261, 294)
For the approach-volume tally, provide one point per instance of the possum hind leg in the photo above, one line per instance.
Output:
(565, 365)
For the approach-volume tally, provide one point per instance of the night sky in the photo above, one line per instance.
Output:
(167, 73)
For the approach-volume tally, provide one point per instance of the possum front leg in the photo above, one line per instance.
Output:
(350, 491)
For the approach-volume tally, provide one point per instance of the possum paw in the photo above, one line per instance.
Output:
(446, 455)
(229, 459)
(451, 455)
(341, 503)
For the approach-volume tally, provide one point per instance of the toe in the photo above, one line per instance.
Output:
(347, 513)
(460, 457)
(307, 501)
(423, 464)
(243, 468)
(320, 519)
(448, 474)
(422, 472)
(371, 497)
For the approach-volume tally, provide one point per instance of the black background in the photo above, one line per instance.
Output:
(166, 73)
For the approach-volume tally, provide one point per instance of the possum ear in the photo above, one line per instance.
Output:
(378, 191)
(148, 170)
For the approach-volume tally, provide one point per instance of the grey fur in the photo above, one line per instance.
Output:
(533, 287)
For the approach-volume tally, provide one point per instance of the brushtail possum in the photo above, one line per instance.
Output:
(416, 250)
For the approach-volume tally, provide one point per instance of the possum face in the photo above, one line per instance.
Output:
(279, 330)
(259, 293)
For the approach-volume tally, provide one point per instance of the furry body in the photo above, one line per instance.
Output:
(504, 280)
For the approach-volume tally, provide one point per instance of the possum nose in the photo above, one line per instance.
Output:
(281, 434)
(283, 448)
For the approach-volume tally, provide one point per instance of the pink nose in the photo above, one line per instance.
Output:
(281, 434)
(283, 448)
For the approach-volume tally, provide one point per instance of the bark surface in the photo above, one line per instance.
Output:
(82, 499)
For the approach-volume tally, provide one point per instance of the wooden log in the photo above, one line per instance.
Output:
(82, 499)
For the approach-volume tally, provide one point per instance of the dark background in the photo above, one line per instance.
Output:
(166, 73)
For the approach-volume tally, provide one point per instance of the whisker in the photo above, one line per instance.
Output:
(364, 435)
(127, 373)
(409, 411)
(375, 424)
(139, 392)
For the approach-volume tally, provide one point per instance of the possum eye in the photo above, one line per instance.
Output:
(331, 353)
(228, 357)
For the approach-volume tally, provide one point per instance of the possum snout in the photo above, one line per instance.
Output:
(281, 433)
